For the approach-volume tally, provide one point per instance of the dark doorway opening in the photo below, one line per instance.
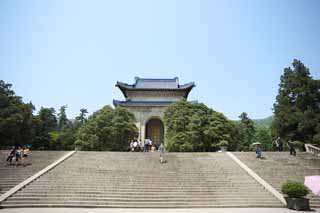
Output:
(155, 131)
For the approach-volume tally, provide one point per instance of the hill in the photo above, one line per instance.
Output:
(259, 123)
(265, 122)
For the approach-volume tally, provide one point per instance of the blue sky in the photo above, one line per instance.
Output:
(73, 52)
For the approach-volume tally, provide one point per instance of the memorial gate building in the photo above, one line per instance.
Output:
(147, 99)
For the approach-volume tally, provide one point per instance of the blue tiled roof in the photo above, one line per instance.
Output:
(155, 84)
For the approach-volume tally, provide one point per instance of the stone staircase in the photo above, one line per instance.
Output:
(11, 175)
(278, 167)
(138, 180)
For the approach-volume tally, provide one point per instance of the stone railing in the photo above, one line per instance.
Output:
(312, 149)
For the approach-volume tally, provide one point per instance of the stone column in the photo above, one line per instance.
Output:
(142, 131)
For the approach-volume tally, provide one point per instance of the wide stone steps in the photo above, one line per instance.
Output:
(11, 175)
(278, 167)
(140, 205)
(138, 180)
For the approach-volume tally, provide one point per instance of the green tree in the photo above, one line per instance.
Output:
(263, 135)
(297, 109)
(16, 119)
(195, 127)
(247, 132)
(45, 122)
(82, 117)
(62, 117)
(220, 129)
(48, 118)
(107, 129)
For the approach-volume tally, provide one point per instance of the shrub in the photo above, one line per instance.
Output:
(294, 189)
(223, 143)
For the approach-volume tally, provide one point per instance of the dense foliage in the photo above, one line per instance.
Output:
(107, 129)
(294, 189)
(195, 127)
(246, 131)
(263, 135)
(297, 106)
(16, 119)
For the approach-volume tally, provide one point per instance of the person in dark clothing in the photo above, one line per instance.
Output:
(11, 155)
(280, 148)
(258, 151)
(291, 148)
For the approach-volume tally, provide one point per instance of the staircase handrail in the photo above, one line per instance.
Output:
(312, 149)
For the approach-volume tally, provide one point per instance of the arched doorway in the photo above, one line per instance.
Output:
(155, 131)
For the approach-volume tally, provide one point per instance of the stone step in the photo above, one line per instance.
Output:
(148, 188)
(142, 202)
(134, 195)
(139, 199)
(187, 180)
(142, 205)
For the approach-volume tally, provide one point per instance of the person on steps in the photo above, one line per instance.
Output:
(11, 155)
(258, 151)
(292, 148)
(279, 144)
(162, 151)
(19, 154)
(25, 154)
(135, 145)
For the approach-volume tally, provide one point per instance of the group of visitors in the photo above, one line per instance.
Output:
(279, 147)
(137, 146)
(148, 145)
(18, 154)
(290, 144)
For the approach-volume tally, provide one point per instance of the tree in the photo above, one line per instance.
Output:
(220, 129)
(45, 123)
(195, 127)
(107, 129)
(62, 117)
(297, 108)
(16, 119)
(48, 118)
(247, 131)
(82, 117)
(263, 135)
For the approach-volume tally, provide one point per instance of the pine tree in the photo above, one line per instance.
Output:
(297, 106)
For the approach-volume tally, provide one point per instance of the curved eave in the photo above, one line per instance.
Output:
(188, 87)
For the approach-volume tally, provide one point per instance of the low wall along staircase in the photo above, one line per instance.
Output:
(138, 180)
